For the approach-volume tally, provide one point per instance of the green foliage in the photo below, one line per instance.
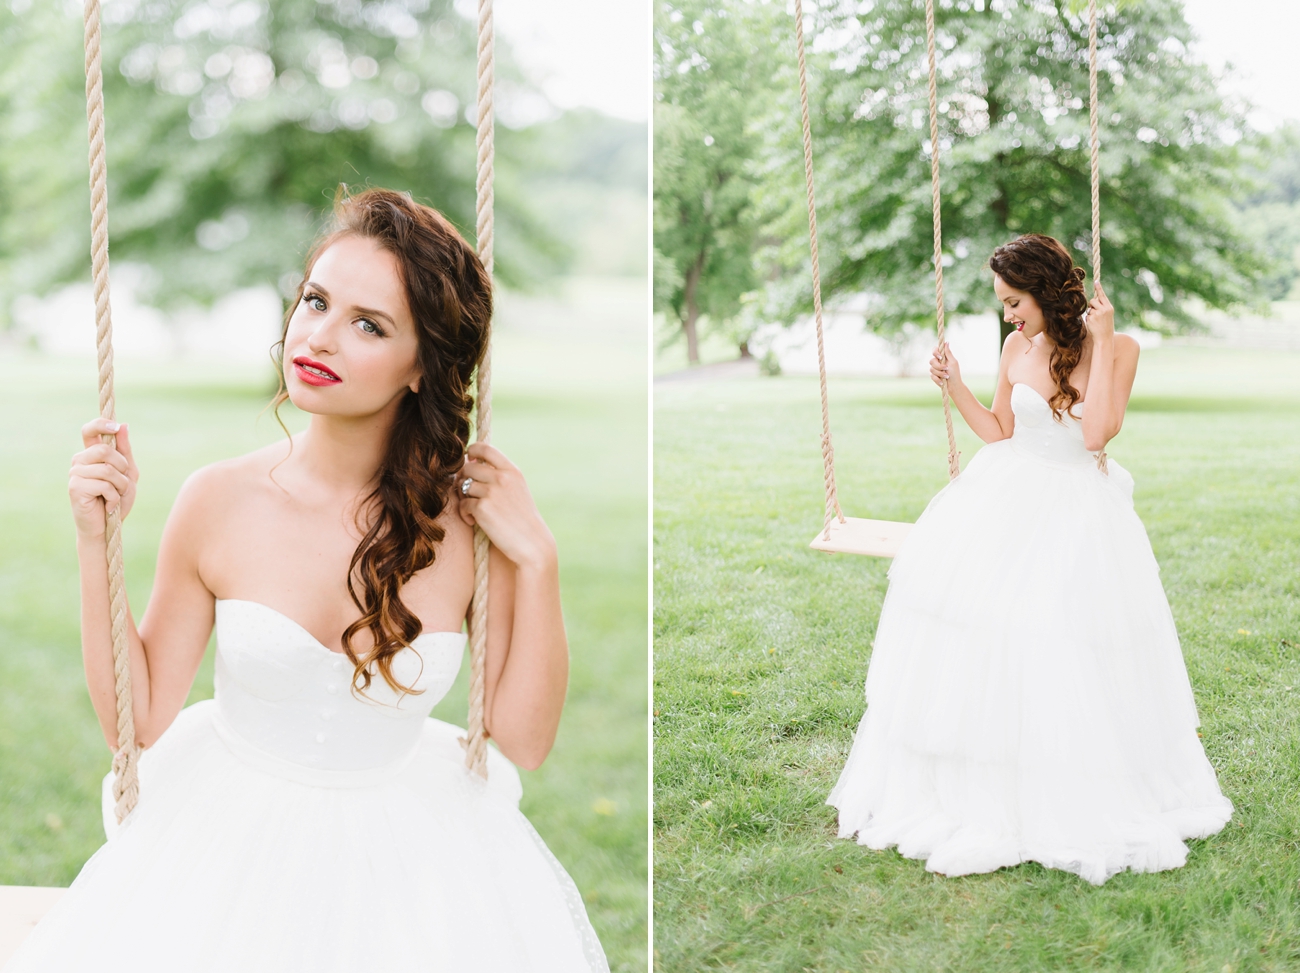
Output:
(1270, 214)
(587, 179)
(762, 645)
(1013, 90)
(587, 146)
(1012, 99)
(710, 66)
(230, 126)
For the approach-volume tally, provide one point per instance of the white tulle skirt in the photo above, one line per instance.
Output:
(1027, 697)
(240, 863)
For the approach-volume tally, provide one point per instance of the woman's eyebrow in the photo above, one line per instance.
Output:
(368, 311)
(375, 313)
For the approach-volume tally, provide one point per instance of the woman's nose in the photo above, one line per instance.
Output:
(321, 338)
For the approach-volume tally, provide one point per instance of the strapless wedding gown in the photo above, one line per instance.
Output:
(1027, 697)
(288, 825)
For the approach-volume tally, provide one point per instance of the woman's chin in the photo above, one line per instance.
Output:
(307, 399)
(327, 402)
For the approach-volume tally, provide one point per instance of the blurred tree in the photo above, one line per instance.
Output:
(588, 177)
(1013, 90)
(230, 124)
(1270, 212)
(710, 67)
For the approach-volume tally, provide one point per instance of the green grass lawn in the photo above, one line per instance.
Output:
(761, 649)
(570, 409)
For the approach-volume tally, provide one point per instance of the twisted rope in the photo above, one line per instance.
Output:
(476, 742)
(828, 451)
(1095, 163)
(126, 783)
(954, 457)
(1094, 142)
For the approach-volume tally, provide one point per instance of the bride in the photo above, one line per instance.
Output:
(311, 816)
(1027, 696)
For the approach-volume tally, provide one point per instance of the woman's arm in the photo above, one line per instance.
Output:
(1110, 374)
(528, 652)
(989, 424)
(160, 680)
(103, 478)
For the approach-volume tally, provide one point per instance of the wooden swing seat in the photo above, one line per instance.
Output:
(854, 535)
(21, 908)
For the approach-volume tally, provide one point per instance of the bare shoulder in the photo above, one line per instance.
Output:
(211, 492)
(1015, 342)
(1127, 348)
(455, 560)
(458, 533)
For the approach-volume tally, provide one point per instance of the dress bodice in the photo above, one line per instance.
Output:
(282, 693)
(1038, 432)
(290, 824)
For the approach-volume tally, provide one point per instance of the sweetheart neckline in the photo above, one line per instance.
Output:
(1042, 399)
(317, 643)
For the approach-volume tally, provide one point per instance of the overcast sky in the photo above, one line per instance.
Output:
(592, 53)
(597, 52)
(1258, 37)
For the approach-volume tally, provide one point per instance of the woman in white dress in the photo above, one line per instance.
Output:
(1027, 695)
(312, 817)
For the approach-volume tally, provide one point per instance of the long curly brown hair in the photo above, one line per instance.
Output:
(1043, 267)
(450, 297)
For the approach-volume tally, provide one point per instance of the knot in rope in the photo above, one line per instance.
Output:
(126, 780)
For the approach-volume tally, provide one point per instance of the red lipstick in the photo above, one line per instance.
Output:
(313, 372)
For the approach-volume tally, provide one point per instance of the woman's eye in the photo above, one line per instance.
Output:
(369, 327)
(314, 301)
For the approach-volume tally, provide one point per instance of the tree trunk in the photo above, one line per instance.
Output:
(692, 310)
(1004, 330)
(744, 350)
(692, 341)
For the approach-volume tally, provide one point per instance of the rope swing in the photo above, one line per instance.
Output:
(882, 538)
(476, 742)
(954, 457)
(126, 785)
(833, 511)
(126, 781)
(1095, 164)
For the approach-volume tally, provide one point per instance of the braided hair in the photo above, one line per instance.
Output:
(1042, 266)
